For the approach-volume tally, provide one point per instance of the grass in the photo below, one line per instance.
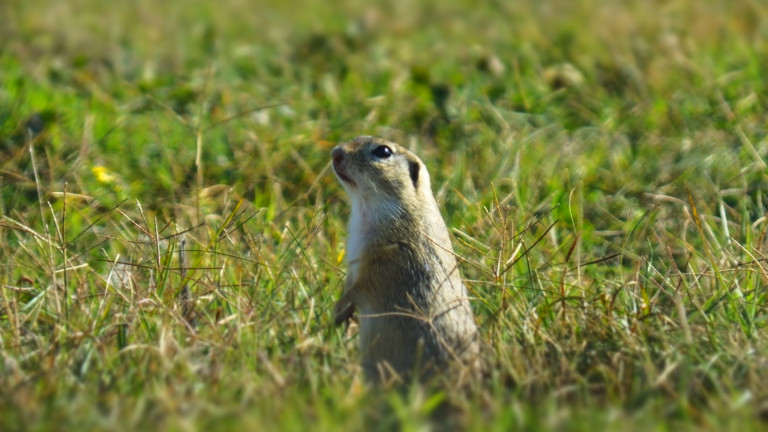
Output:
(171, 233)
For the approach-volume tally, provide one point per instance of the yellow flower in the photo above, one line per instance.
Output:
(102, 174)
(340, 258)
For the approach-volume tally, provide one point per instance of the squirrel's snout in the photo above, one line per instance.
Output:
(338, 155)
(338, 165)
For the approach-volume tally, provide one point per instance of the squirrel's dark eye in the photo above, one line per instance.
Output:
(382, 152)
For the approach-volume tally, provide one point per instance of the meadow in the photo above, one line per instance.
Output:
(172, 235)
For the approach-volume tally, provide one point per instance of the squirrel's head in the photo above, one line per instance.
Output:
(374, 169)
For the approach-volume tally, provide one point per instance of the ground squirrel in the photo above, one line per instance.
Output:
(402, 276)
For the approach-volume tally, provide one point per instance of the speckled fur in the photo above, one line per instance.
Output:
(403, 279)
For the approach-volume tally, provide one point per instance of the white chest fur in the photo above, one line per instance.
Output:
(367, 218)
(355, 241)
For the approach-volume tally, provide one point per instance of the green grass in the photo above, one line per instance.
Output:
(612, 222)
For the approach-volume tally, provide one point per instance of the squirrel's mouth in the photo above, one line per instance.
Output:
(341, 174)
(339, 157)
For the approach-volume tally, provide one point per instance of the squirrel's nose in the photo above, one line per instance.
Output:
(338, 155)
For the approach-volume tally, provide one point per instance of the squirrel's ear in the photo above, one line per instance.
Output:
(413, 169)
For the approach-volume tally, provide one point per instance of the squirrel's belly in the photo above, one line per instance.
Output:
(398, 343)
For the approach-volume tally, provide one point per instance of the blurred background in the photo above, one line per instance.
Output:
(129, 86)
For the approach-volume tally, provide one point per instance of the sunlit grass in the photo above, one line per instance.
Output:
(170, 232)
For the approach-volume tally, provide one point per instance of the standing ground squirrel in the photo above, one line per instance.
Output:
(402, 276)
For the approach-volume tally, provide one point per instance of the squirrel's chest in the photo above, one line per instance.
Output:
(355, 243)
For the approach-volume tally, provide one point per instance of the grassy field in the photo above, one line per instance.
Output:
(171, 235)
